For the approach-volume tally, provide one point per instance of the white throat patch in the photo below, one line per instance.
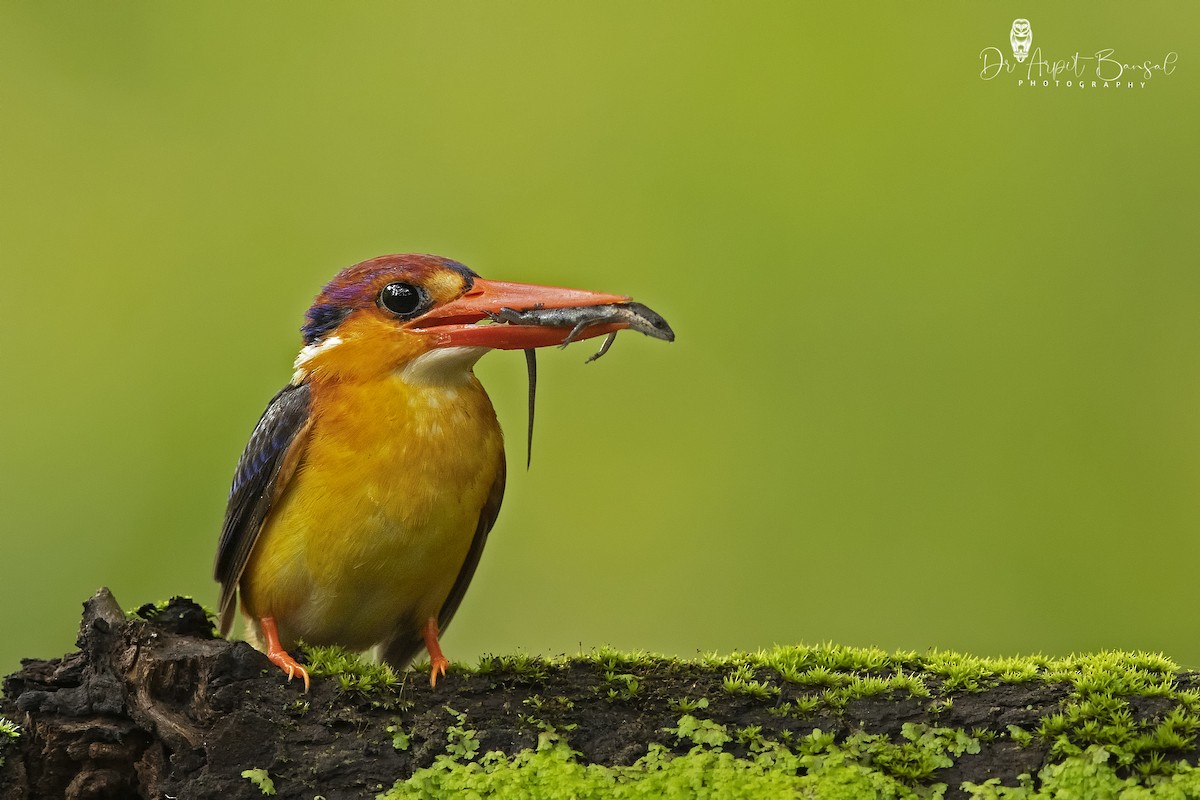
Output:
(442, 366)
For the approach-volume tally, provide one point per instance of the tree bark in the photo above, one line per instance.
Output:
(156, 706)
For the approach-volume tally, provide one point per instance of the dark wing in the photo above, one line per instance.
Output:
(263, 471)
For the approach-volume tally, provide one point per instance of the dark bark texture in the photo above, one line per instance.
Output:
(157, 707)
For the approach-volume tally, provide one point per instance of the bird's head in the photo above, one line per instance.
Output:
(420, 315)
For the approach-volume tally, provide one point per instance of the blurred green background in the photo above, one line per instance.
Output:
(937, 380)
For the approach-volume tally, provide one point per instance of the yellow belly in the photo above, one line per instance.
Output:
(373, 529)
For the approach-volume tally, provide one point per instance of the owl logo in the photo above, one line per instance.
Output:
(1021, 37)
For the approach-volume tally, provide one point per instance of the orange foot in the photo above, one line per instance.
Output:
(277, 655)
(437, 662)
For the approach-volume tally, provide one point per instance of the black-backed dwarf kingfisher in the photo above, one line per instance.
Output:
(362, 502)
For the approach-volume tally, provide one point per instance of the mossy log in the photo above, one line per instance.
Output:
(154, 706)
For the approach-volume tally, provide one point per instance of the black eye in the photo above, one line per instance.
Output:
(401, 299)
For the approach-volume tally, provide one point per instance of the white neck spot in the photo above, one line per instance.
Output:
(311, 351)
(442, 366)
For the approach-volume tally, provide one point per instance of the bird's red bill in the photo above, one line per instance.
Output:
(455, 323)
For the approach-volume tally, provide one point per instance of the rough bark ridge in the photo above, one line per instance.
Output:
(157, 707)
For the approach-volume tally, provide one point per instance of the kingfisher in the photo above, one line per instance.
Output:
(363, 500)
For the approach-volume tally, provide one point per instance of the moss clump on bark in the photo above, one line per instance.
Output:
(156, 705)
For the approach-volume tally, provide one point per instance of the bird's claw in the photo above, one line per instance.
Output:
(277, 655)
(291, 666)
(437, 668)
(438, 663)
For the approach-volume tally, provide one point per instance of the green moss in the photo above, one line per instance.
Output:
(1096, 710)
(741, 681)
(353, 674)
(700, 731)
(522, 665)
(552, 770)
(462, 742)
(614, 660)
(261, 779)
(1091, 774)
(9, 733)
(1019, 735)
(816, 676)
(620, 685)
(862, 766)
(688, 704)
(401, 740)
(1098, 746)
